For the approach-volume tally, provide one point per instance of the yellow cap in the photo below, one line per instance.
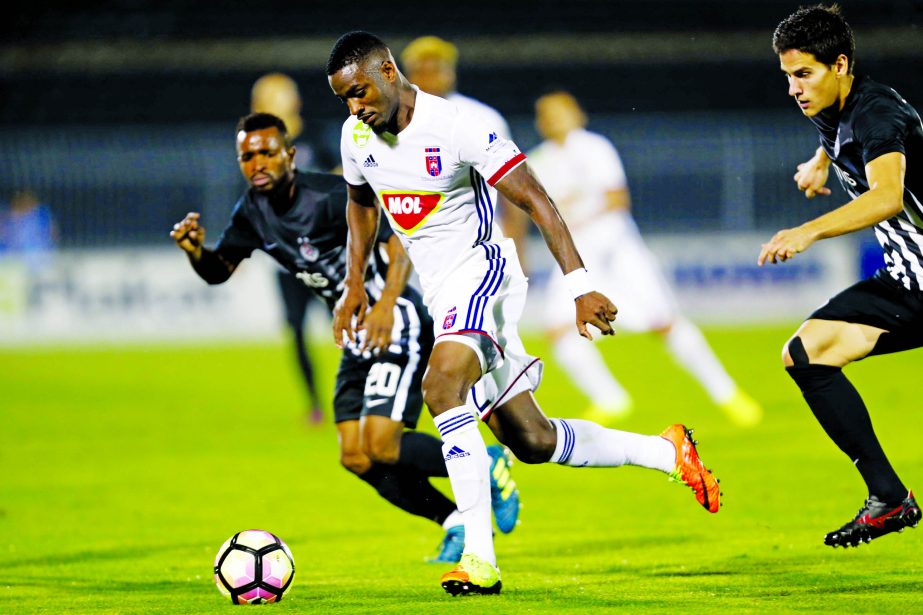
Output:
(430, 47)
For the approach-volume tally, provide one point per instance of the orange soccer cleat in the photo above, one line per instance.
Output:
(689, 468)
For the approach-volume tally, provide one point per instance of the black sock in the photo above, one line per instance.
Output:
(423, 453)
(409, 491)
(841, 412)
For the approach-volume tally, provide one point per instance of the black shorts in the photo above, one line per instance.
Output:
(880, 301)
(390, 384)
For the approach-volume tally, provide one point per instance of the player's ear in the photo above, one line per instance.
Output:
(841, 65)
(389, 71)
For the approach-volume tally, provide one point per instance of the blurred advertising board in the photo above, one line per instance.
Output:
(716, 279)
(132, 295)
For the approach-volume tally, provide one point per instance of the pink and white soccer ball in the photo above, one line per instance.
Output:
(253, 567)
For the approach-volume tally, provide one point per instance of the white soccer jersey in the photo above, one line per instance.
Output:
(431, 181)
(578, 174)
(490, 115)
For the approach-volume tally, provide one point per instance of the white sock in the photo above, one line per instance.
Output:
(690, 349)
(468, 464)
(586, 444)
(585, 365)
(454, 518)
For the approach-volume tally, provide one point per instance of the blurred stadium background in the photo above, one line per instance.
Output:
(118, 115)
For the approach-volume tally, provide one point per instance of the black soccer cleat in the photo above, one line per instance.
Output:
(876, 519)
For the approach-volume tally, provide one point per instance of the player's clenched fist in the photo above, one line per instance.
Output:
(595, 309)
(812, 176)
(189, 236)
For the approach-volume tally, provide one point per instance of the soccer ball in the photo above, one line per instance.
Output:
(254, 566)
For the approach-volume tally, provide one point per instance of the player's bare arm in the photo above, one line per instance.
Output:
(379, 321)
(883, 200)
(362, 218)
(811, 176)
(523, 190)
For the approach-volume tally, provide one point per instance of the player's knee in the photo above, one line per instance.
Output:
(793, 353)
(535, 446)
(441, 388)
(382, 451)
(356, 462)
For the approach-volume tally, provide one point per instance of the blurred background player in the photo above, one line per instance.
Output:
(278, 94)
(27, 230)
(299, 219)
(874, 140)
(430, 63)
(583, 174)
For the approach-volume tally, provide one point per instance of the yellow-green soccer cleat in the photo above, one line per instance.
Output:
(743, 410)
(608, 416)
(473, 575)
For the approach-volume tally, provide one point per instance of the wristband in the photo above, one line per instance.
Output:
(578, 283)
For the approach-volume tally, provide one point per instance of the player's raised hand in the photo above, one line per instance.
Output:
(595, 309)
(784, 245)
(188, 235)
(811, 176)
(353, 302)
(378, 324)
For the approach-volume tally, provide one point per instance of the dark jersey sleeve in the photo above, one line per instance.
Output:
(239, 239)
(881, 128)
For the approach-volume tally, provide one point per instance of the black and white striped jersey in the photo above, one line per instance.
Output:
(309, 240)
(875, 121)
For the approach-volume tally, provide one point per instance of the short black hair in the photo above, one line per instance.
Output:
(261, 121)
(352, 48)
(819, 30)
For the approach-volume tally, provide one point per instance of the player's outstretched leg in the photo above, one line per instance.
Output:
(473, 575)
(875, 519)
(533, 438)
(504, 496)
(689, 468)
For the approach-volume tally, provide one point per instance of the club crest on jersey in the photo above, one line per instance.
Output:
(449, 320)
(433, 161)
(307, 251)
(410, 210)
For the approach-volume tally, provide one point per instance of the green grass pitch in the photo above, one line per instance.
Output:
(122, 472)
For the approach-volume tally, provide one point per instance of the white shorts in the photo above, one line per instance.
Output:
(479, 305)
(624, 269)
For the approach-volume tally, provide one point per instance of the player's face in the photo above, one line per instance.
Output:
(557, 115)
(264, 161)
(368, 92)
(432, 75)
(815, 86)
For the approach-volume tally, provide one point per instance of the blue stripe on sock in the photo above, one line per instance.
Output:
(569, 439)
(454, 423)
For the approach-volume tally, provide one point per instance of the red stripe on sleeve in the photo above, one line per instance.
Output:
(506, 168)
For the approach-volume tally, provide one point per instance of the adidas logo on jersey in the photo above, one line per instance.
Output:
(370, 162)
(457, 453)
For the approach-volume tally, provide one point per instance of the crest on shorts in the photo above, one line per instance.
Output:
(433, 161)
(449, 320)
(307, 251)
